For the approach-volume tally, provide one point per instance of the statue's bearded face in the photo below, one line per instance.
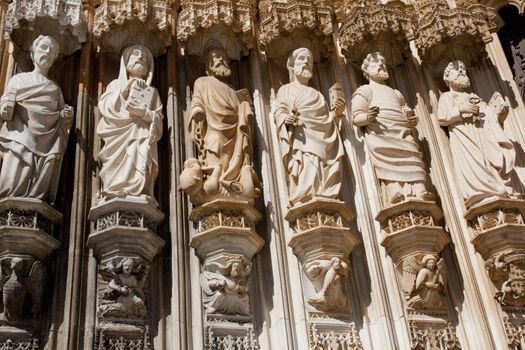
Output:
(218, 64)
(44, 53)
(377, 69)
(457, 77)
(137, 63)
(127, 267)
(303, 65)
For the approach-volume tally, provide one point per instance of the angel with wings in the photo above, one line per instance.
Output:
(123, 295)
(226, 290)
(16, 281)
(328, 277)
(424, 282)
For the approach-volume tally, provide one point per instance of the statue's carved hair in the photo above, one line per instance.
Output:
(55, 45)
(374, 56)
(452, 66)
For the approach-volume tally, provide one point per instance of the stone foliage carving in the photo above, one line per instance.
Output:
(127, 218)
(198, 15)
(225, 287)
(423, 282)
(308, 132)
(484, 156)
(221, 125)
(63, 18)
(36, 126)
(433, 338)
(515, 334)
(507, 271)
(120, 23)
(19, 344)
(243, 339)
(366, 19)
(495, 218)
(107, 340)
(130, 127)
(389, 125)
(408, 219)
(122, 296)
(437, 22)
(279, 18)
(321, 338)
(20, 278)
(329, 278)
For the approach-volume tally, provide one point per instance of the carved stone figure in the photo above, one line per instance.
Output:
(507, 271)
(308, 134)
(425, 291)
(221, 126)
(329, 278)
(484, 156)
(123, 296)
(16, 282)
(130, 127)
(35, 128)
(389, 125)
(226, 287)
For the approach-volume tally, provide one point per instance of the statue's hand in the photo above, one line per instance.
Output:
(4, 115)
(199, 116)
(411, 118)
(291, 119)
(373, 111)
(67, 112)
(468, 109)
(124, 290)
(339, 107)
(135, 109)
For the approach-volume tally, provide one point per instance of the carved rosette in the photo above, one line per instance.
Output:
(285, 26)
(441, 28)
(62, 19)
(369, 26)
(197, 17)
(122, 23)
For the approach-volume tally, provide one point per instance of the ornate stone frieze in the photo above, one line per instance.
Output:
(281, 24)
(225, 333)
(507, 271)
(326, 333)
(408, 219)
(121, 23)
(329, 279)
(496, 217)
(469, 24)
(114, 336)
(27, 19)
(514, 331)
(197, 17)
(25, 343)
(369, 25)
(433, 337)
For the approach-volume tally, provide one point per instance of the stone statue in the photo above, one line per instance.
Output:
(308, 134)
(484, 156)
(329, 277)
(15, 282)
(389, 123)
(226, 290)
(424, 282)
(35, 128)
(123, 296)
(221, 126)
(130, 127)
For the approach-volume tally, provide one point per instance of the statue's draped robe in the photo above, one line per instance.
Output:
(483, 155)
(311, 150)
(129, 162)
(427, 298)
(394, 152)
(226, 132)
(35, 139)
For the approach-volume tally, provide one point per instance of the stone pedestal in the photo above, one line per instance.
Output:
(25, 243)
(124, 243)
(226, 241)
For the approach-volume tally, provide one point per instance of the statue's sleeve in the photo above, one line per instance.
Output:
(360, 105)
(110, 100)
(448, 111)
(156, 116)
(197, 101)
(282, 108)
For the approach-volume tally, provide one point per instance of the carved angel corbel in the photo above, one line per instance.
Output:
(423, 282)
(328, 277)
(506, 272)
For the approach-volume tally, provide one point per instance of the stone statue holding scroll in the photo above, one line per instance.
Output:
(221, 125)
(484, 156)
(388, 124)
(35, 129)
(130, 126)
(308, 132)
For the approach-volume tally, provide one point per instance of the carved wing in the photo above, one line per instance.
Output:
(108, 271)
(4, 275)
(442, 271)
(317, 269)
(409, 269)
(36, 286)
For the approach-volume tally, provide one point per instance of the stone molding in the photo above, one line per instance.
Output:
(326, 332)
(64, 20)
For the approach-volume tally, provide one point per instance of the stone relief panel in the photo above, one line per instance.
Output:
(433, 338)
(221, 126)
(507, 271)
(308, 132)
(130, 128)
(35, 130)
(484, 156)
(62, 19)
(121, 291)
(225, 286)
(389, 131)
(329, 278)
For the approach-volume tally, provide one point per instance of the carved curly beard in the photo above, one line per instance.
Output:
(221, 71)
(382, 75)
(461, 81)
(303, 72)
(136, 68)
